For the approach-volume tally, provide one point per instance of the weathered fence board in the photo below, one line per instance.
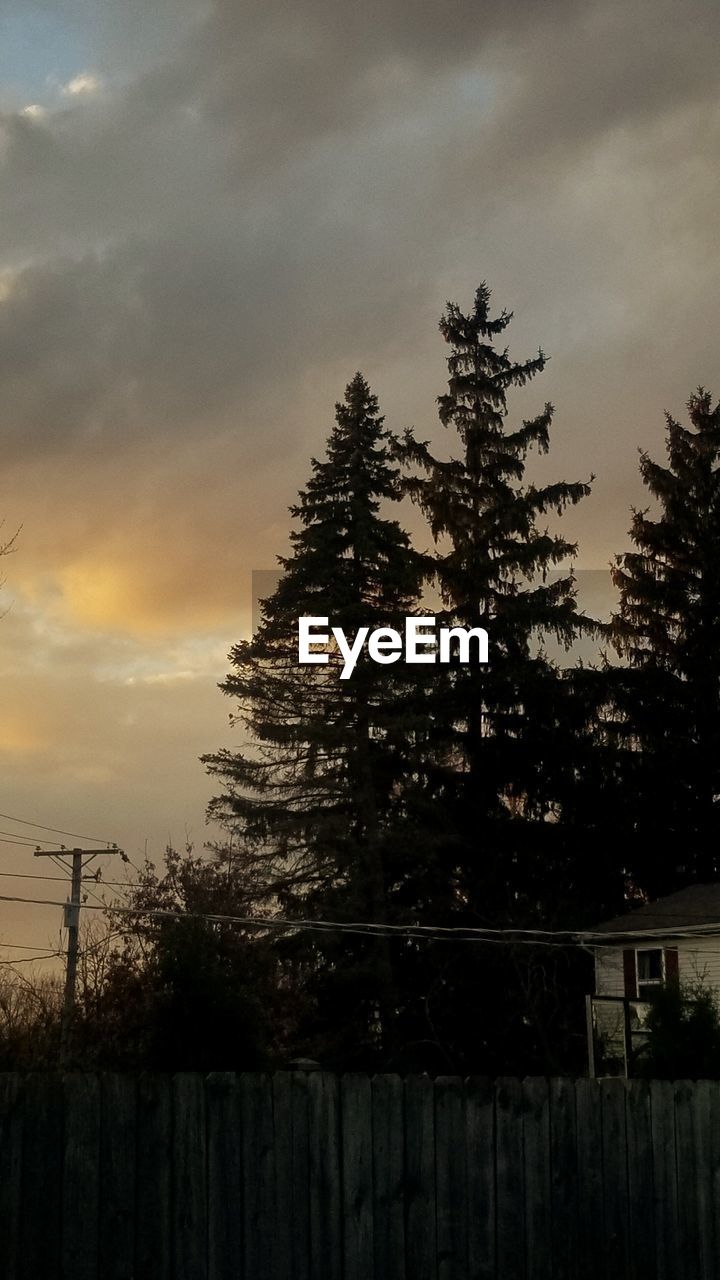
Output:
(667, 1243)
(590, 1200)
(451, 1178)
(641, 1186)
(568, 1262)
(615, 1185)
(224, 1178)
(688, 1256)
(420, 1226)
(300, 1177)
(11, 1138)
(42, 1177)
(510, 1179)
(480, 1142)
(318, 1177)
(702, 1148)
(284, 1190)
(118, 1139)
(325, 1185)
(189, 1217)
(388, 1177)
(81, 1177)
(714, 1178)
(357, 1163)
(536, 1148)
(153, 1204)
(258, 1176)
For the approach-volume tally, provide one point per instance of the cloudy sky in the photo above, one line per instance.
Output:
(210, 216)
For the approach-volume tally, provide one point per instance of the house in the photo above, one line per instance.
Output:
(674, 939)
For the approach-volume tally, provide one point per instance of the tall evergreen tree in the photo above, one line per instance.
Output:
(510, 729)
(494, 568)
(316, 799)
(667, 628)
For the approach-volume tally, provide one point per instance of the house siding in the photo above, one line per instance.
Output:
(609, 972)
(698, 961)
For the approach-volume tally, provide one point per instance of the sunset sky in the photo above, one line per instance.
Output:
(211, 215)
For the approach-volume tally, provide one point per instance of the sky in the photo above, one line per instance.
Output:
(211, 215)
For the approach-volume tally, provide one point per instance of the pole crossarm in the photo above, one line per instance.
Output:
(58, 853)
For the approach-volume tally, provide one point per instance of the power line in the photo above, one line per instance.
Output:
(19, 946)
(39, 840)
(25, 875)
(532, 937)
(51, 953)
(322, 926)
(58, 831)
(408, 932)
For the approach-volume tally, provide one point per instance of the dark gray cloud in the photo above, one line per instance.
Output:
(256, 199)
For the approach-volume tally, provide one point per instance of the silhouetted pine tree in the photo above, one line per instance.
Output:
(510, 729)
(316, 801)
(494, 566)
(668, 629)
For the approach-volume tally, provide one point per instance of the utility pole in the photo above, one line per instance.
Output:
(80, 859)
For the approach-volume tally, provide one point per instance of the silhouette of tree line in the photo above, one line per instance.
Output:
(525, 793)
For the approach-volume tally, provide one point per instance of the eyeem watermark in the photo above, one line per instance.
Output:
(422, 642)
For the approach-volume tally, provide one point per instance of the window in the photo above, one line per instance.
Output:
(650, 972)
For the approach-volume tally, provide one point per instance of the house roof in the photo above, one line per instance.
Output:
(698, 904)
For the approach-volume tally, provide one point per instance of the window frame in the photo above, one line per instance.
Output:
(642, 984)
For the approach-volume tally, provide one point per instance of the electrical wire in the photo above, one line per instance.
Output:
(25, 875)
(19, 946)
(58, 831)
(318, 926)
(24, 844)
(39, 840)
(531, 937)
(49, 953)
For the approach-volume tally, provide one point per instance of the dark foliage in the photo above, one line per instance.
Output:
(182, 994)
(510, 733)
(667, 628)
(683, 1041)
(317, 803)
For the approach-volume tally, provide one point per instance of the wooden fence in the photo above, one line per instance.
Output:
(319, 1177)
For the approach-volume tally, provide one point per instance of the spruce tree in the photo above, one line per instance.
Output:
(493, 567)
(667, 629)
(508, 729)
(315, 799)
